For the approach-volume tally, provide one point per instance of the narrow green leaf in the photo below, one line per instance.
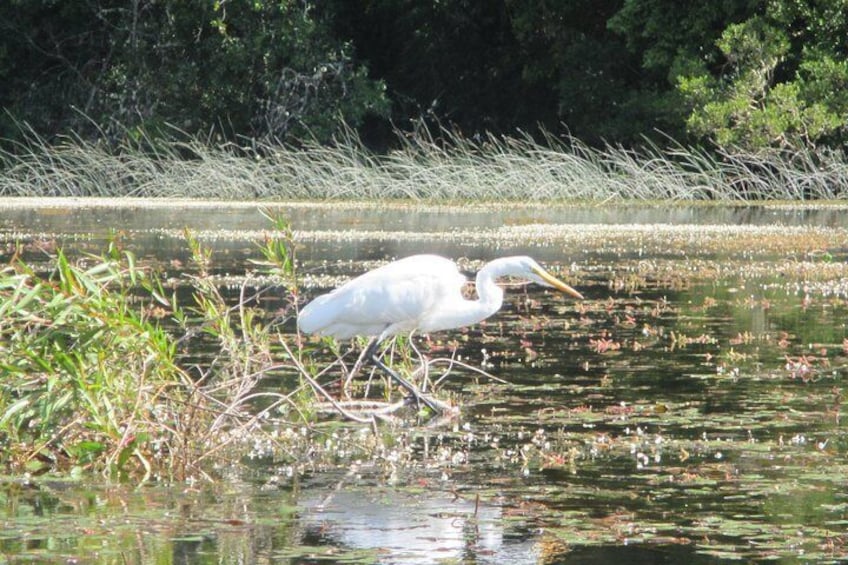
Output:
(15, 408)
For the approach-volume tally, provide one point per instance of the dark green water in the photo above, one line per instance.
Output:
(689, 410)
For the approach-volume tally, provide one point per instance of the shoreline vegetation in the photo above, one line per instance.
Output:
(449, 167)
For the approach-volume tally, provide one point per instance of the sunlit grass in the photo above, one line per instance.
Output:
(450, 167)
(96, 377)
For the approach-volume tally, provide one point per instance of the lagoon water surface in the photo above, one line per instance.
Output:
(688, 410)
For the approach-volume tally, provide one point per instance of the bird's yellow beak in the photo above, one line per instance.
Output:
(556, 283)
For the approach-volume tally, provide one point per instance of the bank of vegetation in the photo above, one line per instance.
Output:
(627, 98)
(424, 167)
(110, 369)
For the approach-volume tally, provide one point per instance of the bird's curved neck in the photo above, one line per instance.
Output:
(467, 312)
(490, 295)
(489, 300)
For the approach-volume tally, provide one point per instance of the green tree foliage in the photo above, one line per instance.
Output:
(750, 73)
(262, 68)
(752, 106)
(506, 64)
(670, 39)
(454, 60)
(599, 92)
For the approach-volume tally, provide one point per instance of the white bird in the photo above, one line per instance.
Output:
(421, 292)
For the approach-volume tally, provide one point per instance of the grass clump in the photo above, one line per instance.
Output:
(92, 378)
(448, 167)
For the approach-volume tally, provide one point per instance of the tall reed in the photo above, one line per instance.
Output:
(94, 378)
(424, 166)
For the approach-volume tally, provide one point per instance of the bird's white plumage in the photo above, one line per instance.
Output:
(422, 292)
(400, 293)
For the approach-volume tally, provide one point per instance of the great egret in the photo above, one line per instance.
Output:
(421, 292)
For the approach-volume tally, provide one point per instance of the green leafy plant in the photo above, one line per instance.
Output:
(267, 69)
(76, 350)
(762, 101)
(93, 378)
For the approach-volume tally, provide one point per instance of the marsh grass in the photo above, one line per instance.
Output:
(95, 379)
(444, 167)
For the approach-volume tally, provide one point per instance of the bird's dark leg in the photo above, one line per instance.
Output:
(371, 353)
(366, 354)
